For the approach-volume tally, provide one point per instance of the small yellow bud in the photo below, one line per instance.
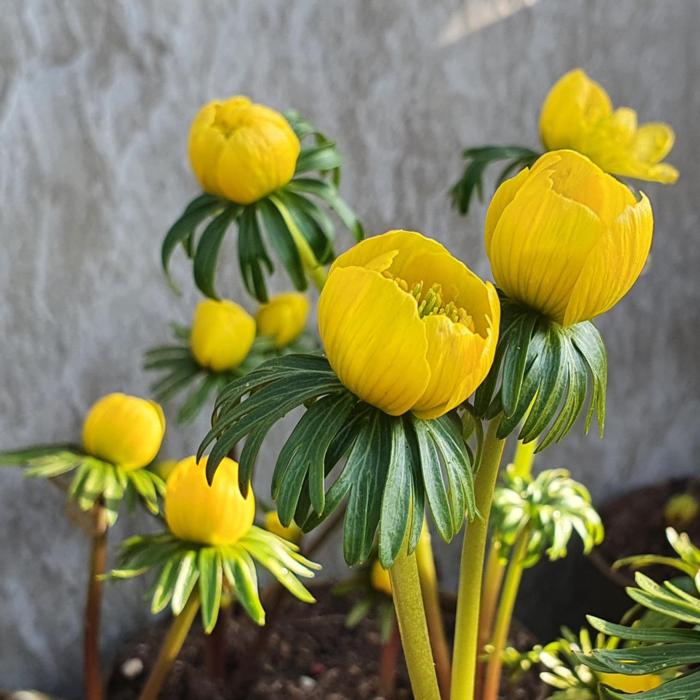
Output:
(630, 684)
(380, 579)
(681, 510)
(215, 514)
(406, 326)
(222, 334)
(566, 239)
(165, 468)
(242, 151)
(124, 430)
(283, 318)
(291, 533)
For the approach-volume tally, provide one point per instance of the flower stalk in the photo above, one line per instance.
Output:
(466, 647)
(91, 637)
(410, 614)
(388, 662)
(170, 648)
(431, 601)
(504, 617)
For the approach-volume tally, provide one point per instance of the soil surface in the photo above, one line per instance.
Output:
(309, 654)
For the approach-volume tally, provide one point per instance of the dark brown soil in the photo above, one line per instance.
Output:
(310, 654)
(635, 524)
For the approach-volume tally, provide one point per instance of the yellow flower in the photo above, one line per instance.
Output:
(578, 114)
(214, 515)
(291, 533)
(406, 326)
(241, 150)
(566, 239)
(379, 578)
(222, 334)
(630, 684)
(124, 430)
(283, 317)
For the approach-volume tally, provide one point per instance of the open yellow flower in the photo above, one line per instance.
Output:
(215, 514)
(567, 239)
(380, 579)
(283, 318)
(241, 150)
(222, 334)
(578, 114)
(406, 326)
(124, 430)
(630, 684)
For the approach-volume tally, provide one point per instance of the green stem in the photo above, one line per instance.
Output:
(433, 613)
(466, 646)
(91, 636)
(505, 616)
(408, 603)
(316, 271)
(490, 591)
(524, 457)
(170, 648)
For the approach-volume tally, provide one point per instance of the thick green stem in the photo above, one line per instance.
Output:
(524, 458)
(490, 592)
(505, 615)
(433, 613)
(170, 648)
(316, 271)
(93, 606)
(466, 646)
(408, 603)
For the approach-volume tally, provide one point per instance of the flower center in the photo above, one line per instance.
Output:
(431, 302)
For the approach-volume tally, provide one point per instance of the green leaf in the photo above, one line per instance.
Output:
(358, 612)
(24, 456)
(241, 575)
(184, 228)
(145, 486)
(321, 158)
(182, 374)
(196, 400)
(515, 361)
(165, 585)
(210, 582)
(208, 250)
(252, 256)
(187, 576)
(314, 224)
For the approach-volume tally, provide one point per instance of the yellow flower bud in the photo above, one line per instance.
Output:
(406, 326)
(379, 578)
(283, 318)
(241, 150)
(567, 239)
(214, 515)
(124, 430)
(578, 114)
(680, 510)
(291, 533)
(630, 684)
(222, 334)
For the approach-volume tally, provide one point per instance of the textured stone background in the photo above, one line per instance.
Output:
(95, 101)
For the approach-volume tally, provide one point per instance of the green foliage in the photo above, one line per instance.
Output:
(552, 506)
(93, 481)
(385, 467)
(277, 219)
(544, 371)
(181, 372)
(477, 162)
(183, 566)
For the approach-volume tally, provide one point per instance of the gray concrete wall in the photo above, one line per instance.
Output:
(95, 103)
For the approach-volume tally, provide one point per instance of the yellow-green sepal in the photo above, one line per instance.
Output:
(186, 567)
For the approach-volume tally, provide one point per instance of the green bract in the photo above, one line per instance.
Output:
(541, 375)
(290, 219)
(183, 565)
(94, 479)
(552, 506)
(478, 160)
(385, 466)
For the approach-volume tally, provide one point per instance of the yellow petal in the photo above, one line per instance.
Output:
(540, 244)
(574, 103)
(373, 338)
(653, 142)
(631, 684)
(500, 200)
(214, 515)
(614, 265)
(379, 578)
(124, 430)
(283, 317)
(222, 334)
